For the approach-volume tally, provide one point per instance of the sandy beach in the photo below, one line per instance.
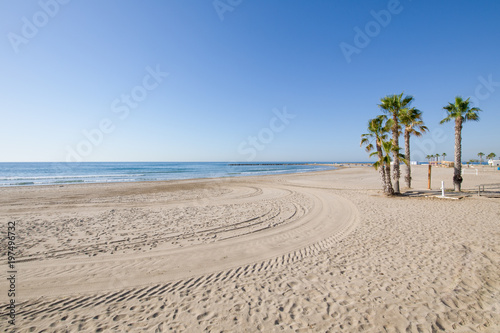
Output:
(314, 252)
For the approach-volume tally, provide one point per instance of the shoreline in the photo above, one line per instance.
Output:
(209, 176)
(336, 166)
(170, 180)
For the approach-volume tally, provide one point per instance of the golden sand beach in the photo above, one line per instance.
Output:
(314, 252)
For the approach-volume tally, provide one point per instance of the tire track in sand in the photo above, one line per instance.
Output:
(139, 276)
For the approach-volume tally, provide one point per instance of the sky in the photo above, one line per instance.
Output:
(238, 80)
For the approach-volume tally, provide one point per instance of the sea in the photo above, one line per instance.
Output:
(59, 173)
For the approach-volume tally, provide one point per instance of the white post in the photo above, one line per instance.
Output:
(477, 172)
(442, 188)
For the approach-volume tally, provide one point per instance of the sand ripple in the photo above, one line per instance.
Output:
(268, 255)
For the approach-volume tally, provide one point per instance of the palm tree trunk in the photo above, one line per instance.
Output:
(381, 168)
(457, 170)
(389, 190)
(407, 156)
(395, 139)
(381, 171)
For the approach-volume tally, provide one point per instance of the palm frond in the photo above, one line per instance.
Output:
(447, 119)
(406, 101)
(461, 109)
(364, 140)
(403, 159)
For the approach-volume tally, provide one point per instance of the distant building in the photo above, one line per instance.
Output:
(494, 162)
(448, 164)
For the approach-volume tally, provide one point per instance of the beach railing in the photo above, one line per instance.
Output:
(474, 171)
(488, 189)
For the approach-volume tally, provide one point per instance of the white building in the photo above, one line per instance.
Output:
(494, 162)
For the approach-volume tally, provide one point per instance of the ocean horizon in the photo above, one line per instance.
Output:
(60, 173)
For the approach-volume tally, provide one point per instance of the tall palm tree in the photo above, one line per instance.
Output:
(437, 158)
(428, 157)
(480, 155)
(392, 105)
(460, 111)
(444, 156)
(377, 131)
(411, 119)
(388, 149)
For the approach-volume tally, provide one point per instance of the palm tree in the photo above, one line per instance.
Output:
(461, 112)
(444, 156)
(393, 105)
(472, 161)
(491, 156)
(388, 149)
(411, 119)
(437, 158)
(428, 157)
(377, 130)
(480, 155)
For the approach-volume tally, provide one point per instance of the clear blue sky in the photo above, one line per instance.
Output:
(73, 66)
